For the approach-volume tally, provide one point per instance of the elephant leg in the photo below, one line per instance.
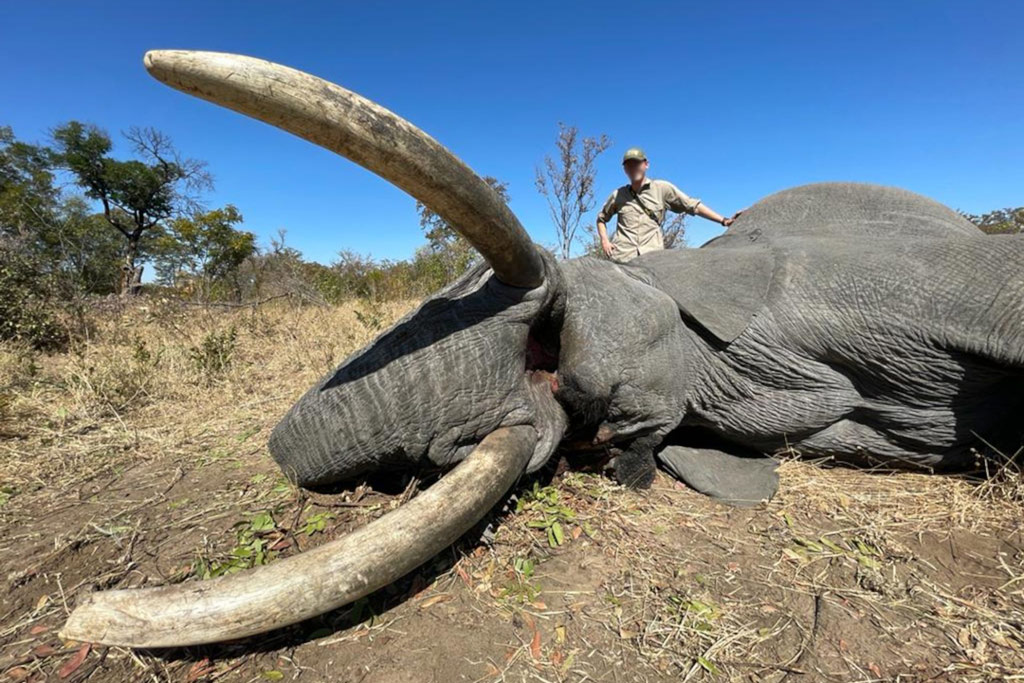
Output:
(634, 465)
(726, 477)
(864, 445)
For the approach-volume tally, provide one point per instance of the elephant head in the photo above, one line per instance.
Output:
(464, 378)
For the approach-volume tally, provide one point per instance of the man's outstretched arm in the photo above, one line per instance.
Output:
(705, 211)
(679, 202)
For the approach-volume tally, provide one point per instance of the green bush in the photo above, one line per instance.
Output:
(28, 301)
(212, 356)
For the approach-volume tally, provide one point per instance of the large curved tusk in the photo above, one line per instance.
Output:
(318, 580)
(368, 134)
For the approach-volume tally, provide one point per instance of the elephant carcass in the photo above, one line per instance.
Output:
(848, 319)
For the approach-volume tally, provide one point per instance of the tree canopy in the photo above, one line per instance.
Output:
(136, 195)
(1000, 221)
(452, 252)
(203, 249)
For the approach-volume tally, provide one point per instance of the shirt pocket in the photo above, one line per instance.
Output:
(630, 216)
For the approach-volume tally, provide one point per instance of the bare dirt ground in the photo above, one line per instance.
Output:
(138, 458)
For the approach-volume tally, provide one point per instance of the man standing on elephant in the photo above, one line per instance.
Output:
(640, 207)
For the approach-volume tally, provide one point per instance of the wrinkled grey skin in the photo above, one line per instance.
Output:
(854, 321)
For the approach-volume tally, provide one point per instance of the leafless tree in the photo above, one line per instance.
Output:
(567, 182)
(193, 176)
(674, 231)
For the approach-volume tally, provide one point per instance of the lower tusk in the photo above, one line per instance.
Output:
(318, 580)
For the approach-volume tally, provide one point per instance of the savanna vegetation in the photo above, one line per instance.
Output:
(79, 222)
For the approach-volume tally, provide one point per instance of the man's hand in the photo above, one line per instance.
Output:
(729, 221)
(607, 247)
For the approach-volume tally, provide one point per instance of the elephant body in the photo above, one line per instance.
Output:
(853, 321)
(896, 342)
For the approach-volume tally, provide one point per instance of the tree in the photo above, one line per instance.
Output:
(1000, 221)
(568, 182)
(27, 296)
(136, 196)
(79, 245)
(27, 193)
(451, 249)
(280, 271)
(205, 249)
(674, 232)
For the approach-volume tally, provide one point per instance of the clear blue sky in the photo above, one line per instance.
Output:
(731, 100)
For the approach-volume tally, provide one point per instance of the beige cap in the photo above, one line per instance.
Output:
(634, 153)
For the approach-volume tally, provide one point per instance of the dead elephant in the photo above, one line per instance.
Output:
(863, 322)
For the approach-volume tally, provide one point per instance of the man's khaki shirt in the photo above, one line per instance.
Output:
(636, 232)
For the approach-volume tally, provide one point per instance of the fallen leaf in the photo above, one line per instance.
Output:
(537, 604)
(964, 638)
(535, 645)
(556, 658)
(1000, 639)
(36, 630)
(568, 663)
(875, 669)
(198, 670)
(464, 576)
(529, 621)
(707, 665)
(18, 673)
(792, 555)
(577, 532)
(42, 602)
(44, 650)
(430, 602)
(560, 634)
(71, 666)
(282, 544)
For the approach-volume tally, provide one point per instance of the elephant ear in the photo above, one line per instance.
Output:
(845, 210)
(718, 289)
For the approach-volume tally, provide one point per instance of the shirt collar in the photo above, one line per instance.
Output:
(647, 183)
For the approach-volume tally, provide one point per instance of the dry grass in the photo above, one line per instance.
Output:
(145, 383)
(139, 456)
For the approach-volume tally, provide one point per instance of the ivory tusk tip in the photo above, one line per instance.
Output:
(154, 60)
(159, 63)
(114, 618)
(85, 625)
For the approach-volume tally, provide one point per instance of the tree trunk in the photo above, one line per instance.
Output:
(131, 275)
